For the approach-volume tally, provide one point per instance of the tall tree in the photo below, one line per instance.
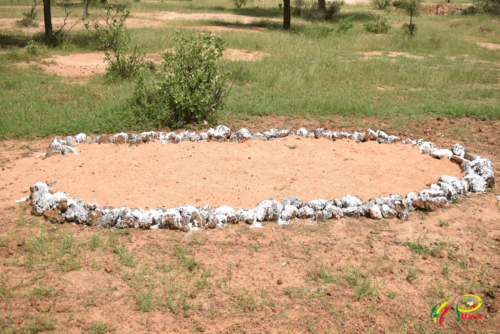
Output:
(286, 15)
(322, 5)
(47, 20)
(86, 8)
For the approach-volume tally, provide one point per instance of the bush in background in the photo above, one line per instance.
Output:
(238, 3)
(113, 39)
(313, 12)
(346, 24)
(193, 89)
(381, 4)
(469, 10)
(29, 17)
(488, 6)
(378, 25)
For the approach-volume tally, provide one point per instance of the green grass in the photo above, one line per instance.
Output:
(443, 223)
(419, 248)
(310, 71)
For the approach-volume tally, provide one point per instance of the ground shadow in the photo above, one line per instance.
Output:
(7, 41)
(79, 40)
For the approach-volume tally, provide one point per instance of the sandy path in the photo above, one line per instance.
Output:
(57, 22)
(166, 16)
(81, 65)
(239, 175)
(151, 22)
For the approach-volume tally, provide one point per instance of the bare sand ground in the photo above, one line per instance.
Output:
(491, 46)
(57, 22)
(153, 19)
(167, 16)
(83, 65)
(238, 175)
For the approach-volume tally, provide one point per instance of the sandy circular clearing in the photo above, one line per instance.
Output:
(238, 175)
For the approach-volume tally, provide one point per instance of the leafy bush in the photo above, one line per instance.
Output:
(378, 25)
(26, 22)
(314, 13)
(346, 24)
(333, 8)
(29, 17)
(113, 39)
(193, 89)
(488, 6)
(238, 3)
(32, 48)
(381, 4)
(470, 10)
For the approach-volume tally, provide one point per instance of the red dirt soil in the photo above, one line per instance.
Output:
(238, 175)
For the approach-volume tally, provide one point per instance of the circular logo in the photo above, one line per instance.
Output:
(469, 303)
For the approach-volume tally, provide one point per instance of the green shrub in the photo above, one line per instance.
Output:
(333, 8)
(193, 89)
(470, 10)
(381, 4)
(238, 3)
(26, 22)
(113, 39)
(378, 25)
(32, 48)
(29, 17)
(346, 24)
(314, 13)
(488, 6)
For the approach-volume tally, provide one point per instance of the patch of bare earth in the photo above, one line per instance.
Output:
(491, 46)
(238, 175)
(230, 27)
(82, 65)
(441, 9)
(391, 54)
(345, 276)
(168, 16)
(10, 24)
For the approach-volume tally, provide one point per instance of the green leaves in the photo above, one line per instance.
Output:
(193, 87)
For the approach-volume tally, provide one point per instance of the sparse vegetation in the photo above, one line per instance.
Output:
(378, 25)
(419, 248)
(443, 223)
(381, 4)
(238, 3)
(113, 39)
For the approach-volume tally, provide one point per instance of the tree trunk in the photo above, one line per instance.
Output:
(86, 8)
(286, 15)
(322, 5)
(411, 27)
(47, 20)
